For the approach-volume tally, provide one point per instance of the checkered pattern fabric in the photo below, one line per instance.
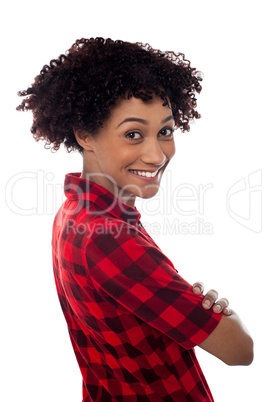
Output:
(133, 320)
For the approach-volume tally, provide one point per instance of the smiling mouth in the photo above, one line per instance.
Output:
(145, 173)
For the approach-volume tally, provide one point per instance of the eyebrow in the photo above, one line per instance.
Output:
(143, 121)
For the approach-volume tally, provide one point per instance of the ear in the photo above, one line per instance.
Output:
(84, 139)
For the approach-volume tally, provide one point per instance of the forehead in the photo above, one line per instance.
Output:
(135, 107)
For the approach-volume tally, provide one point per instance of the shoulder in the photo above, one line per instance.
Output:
(126, 244)
(108, 227)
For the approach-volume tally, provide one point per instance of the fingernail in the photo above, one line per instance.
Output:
(206, 304)
(217, 308)
(197, 289)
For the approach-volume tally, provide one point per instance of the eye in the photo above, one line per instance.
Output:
(132, 135)
(167, 132)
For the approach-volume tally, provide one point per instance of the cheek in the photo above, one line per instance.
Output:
(170, 149)
(126, 155)
(173, 150)
(109, 157)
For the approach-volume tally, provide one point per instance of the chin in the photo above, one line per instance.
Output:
(148, 191)
(148, 194)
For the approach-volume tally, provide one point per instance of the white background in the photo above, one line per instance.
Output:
(227, 42)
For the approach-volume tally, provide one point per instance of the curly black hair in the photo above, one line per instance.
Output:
(77, 90)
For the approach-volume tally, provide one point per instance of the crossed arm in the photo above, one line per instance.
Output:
(230, 340)
(152, 290)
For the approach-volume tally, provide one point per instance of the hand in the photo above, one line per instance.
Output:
(210, 300)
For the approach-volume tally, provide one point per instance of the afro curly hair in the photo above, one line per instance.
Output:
(77, 90)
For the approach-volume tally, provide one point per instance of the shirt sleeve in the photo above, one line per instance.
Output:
(123, 264)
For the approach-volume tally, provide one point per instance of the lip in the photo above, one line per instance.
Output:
(144, 177)
(143, 170)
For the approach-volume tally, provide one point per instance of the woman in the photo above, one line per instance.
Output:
(132, 319)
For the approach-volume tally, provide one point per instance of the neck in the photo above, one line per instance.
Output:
(124, 196)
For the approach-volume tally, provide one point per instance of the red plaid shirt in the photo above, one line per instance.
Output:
(132, 319)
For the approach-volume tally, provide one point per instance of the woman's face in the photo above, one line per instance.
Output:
(136, 139)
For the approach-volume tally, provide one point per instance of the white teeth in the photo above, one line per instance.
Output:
(147, 174)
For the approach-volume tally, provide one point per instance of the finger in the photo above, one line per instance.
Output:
(227, 311)
(210, 298)
(220, 305)
(198, 288)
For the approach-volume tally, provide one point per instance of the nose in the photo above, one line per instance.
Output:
(153, 154)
